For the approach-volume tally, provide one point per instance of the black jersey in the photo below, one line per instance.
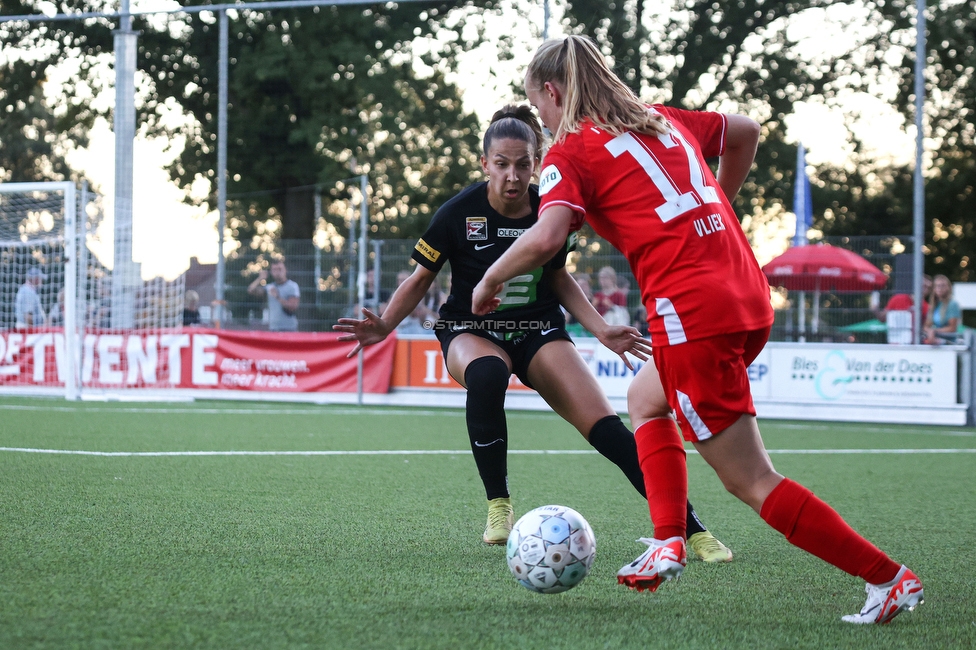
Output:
(467, 232)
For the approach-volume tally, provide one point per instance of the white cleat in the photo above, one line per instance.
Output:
(662, 561)
(889, 600)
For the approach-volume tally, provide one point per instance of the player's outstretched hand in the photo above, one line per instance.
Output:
(623, 338)
(484, 299)
(367, 331)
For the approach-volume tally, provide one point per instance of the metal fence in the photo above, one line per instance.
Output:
(327, 280)
(849, 317)
(328, 283)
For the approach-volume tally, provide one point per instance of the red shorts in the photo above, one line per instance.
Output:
(707, 381)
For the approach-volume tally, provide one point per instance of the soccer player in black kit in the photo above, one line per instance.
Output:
(526, 335)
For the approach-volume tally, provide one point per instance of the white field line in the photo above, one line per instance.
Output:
(442, 412)
(435, 452)
(325, 410)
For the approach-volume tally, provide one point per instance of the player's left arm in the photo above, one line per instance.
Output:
(741, 141)
(530, 251)
(618, 338)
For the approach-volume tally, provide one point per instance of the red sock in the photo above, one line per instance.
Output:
(662, 460)
(810, 524)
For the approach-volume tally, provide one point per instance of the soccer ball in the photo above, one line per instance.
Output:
(550, 549)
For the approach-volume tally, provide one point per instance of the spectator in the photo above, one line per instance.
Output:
(102, 309)
(640, 321)
(27, 306)
(433, 300)
(585, 283)
(413, 323)
(374, 300)
(942, 324)
(610, 301)
(283, 296)
(191, 308)
(55, 317)
(897, 314)
(573, 326)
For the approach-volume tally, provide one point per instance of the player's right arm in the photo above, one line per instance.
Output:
(372, 328)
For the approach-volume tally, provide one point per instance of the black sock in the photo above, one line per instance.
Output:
(694, 524)
(615, 442)
(487, 381)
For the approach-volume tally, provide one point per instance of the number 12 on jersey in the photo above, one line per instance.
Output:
(676, 202)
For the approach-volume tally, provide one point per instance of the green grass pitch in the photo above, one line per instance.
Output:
(384, 550)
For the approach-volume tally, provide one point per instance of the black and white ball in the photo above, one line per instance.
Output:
(551, 549)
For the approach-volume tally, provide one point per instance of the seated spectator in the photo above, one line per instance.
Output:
(944, 314)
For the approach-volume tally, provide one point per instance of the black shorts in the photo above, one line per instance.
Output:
(519, 346)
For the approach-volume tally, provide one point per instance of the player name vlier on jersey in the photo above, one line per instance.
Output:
(708, 225)
(493, 325)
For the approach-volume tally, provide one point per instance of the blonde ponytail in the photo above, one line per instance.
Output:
(591, 89)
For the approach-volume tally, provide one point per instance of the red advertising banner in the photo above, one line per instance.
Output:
(197, 358)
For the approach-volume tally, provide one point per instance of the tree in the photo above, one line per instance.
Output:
(740, 56)
(950, 199)
(734, 56)
(316, 96)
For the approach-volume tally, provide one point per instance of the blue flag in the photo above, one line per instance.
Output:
(802, 204)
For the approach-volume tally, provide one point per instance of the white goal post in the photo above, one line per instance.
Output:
(39, 253)
(73, 323)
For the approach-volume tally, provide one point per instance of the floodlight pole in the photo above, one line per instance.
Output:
(221, 168)
(124, 125)
(918, 212)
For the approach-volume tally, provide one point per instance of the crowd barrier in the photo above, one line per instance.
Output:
(800, 381)
(803, 381)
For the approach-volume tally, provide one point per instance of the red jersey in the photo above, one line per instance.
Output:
(905, 302)
(654, 198)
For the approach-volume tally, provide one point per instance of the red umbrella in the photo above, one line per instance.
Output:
(822, 267)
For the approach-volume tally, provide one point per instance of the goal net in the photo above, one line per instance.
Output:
(38, 288)
(73, 321)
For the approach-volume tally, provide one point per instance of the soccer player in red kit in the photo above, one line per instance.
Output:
(638, 175)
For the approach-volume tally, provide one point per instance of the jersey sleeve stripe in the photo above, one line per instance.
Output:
(573, 206)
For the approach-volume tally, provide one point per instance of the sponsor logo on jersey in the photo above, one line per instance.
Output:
(548, 179)
(427, 251)
(476, 228)
(511, 233)
(572, 241)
